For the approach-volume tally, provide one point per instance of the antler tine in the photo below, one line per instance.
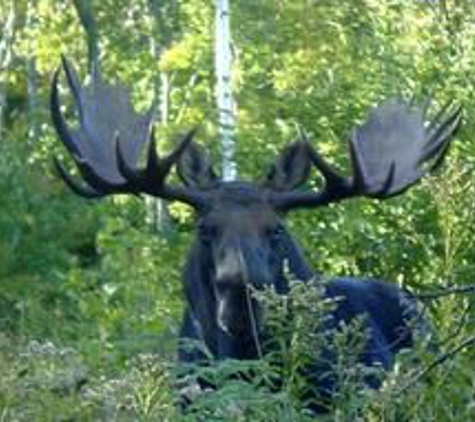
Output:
(357, 164)
(81, 190)
(153, 160)
(441, 134)
(172, 158)
(426, 104)
(57, 117)
(444, 145)
(74, 85)
(440, 159)
(137, 176)
(96, 181)
(385, 190)
(331, 176)
(436, 119)
(127, 172)
(151, 179)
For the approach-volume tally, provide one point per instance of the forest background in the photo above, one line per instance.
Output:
(90, 293)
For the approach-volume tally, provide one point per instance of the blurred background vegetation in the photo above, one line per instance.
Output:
(101, 281)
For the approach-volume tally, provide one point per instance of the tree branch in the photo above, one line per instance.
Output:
(435, 363)
(446, 291)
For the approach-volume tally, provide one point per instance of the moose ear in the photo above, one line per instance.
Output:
(194, 168)
(291, 169)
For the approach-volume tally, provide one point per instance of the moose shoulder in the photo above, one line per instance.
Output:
(241, 240)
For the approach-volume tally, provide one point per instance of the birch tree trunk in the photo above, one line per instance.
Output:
(163, 223)
(224, 92)
(32, 77)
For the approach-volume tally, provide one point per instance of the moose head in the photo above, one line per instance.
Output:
(241, 238)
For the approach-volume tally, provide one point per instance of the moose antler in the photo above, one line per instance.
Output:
(390, 152)
(106, 147)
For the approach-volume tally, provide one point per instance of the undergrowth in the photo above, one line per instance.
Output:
(46, 381)
(43, 381)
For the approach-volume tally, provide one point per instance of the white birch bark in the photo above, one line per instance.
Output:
(32, 77)
(224, 92)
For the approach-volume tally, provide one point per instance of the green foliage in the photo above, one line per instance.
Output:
(42, 378)
(54, 383)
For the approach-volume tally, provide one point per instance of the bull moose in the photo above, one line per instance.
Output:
(241, 241)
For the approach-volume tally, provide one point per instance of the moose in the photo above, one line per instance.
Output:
(242, 242)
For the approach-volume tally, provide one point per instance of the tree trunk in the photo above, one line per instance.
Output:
(32, 77)
(224, 92)
(6, 54)
(158, 214)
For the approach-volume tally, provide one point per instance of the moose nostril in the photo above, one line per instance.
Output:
(243, 266)
(229, 266)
